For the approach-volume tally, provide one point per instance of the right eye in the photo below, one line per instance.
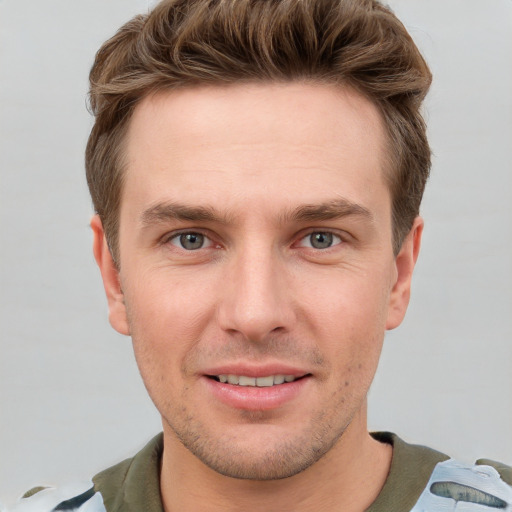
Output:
(320, 240)
(190, 241)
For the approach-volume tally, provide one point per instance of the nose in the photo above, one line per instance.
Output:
(255, 297)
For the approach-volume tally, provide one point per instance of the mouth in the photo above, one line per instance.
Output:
(257, 389)
(260, 382)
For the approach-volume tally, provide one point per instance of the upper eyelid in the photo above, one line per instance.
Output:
(172, 239)
(343, 235)
(215, 239)
(334, 233)
(173, 234)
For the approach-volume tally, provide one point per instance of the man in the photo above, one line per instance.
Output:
(257, 169)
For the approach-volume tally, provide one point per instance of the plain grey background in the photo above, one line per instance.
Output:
(71, 400)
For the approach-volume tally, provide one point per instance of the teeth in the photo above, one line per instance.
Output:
(246, 381)
(242, 380)
(264, 382)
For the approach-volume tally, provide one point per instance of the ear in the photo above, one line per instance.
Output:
(111, 281)
(404, 262)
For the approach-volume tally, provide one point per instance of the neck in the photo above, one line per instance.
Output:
(349, 478)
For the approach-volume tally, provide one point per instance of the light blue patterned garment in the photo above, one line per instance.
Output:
(78, 497)
(465, 488)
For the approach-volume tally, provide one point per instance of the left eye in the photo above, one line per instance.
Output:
(320, 240)
(190, 241)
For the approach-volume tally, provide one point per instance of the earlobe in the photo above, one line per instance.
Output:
(405, 262)
(111, 279)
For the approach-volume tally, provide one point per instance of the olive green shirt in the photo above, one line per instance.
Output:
(133, 485)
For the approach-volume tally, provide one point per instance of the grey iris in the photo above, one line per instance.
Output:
(321, 240)
(191, 241)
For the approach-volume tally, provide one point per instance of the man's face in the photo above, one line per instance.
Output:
(257, 275)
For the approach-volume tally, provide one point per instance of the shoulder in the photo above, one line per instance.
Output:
(133, 484)
(421, 478)
(130, 486)
(481, 486)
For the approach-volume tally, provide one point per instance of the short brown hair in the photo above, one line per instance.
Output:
(355, 43)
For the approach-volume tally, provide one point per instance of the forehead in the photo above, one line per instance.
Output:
(299, 139)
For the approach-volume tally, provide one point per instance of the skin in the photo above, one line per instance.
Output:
(275, 168)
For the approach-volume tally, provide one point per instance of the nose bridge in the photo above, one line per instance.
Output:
(254, 300)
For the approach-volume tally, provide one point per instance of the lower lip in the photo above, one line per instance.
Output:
(253, 398)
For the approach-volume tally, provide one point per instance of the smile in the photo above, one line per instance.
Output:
(261, 382)
(258, 391)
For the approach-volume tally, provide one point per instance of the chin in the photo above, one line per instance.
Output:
(271, 454)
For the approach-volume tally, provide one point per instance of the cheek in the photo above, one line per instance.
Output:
(166, 299)
(348, 316)
(166, 317)
(349, 303)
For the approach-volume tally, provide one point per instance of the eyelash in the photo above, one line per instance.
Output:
(336, 240)
(177, 237)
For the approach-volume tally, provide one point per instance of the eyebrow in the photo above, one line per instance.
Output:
(164, 212)
(329, 210)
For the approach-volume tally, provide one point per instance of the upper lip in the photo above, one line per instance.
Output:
(256, 370)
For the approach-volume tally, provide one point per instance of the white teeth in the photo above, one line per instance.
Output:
(242, 380)
(264, 382)
(246, 381)
(278, 379)
(233, 379)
